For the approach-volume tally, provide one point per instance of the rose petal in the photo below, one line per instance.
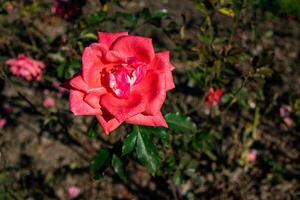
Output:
(148, 120)
(165, 57)
(109, 38)
(119, 83)
(76, 82)
(152, 87)
(210, 96)
(78, 106)
(10, 61)
(123, 109)
(39, 64)
(107, 56)
(218, 95)
(161, 62)
(113, 57)
(91, 66)
(99, 91)
(134, 46)
(109, 125)
(3, 122)
(93, 100)
(169, 81)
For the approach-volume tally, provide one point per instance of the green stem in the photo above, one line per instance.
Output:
(233, 100)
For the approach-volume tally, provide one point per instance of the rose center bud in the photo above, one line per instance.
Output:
(124, 76)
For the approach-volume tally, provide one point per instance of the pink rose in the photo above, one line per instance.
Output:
(122, 80)
(26, 67)
(251, 155)
(73, 192)
(9, 7)
(285, 111)
(288, 121)
(2, 122)
(67, 9)
(48, 102)
(214, 97)
(46, 92)
(7, 108)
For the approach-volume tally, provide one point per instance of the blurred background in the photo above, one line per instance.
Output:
(244, 146)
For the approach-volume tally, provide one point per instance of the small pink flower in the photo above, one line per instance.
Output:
(285, 111)
(49, 102)
(73, 192)
(66, 9)
(26, 67)
(251, 155)
(2, 122)
(288, 121)
(214, 97)
(9, 7)
(46, 92)
(7, 108)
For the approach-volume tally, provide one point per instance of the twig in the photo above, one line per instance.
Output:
(31, 104)
(173, 188)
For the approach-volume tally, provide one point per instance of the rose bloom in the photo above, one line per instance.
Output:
(9, 7)
(73, 192)
(251, 155)
(7, 108)
(3, 122)
(285, 111)
(122, 80)
(213, 96)
(48, 102)
(67, 9)
(26, 67)
(288, 121)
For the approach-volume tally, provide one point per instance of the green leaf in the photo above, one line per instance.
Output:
(97, 18)
(118, 166)
(204, 140)
(227, 11)
(8, 194)
(201, 7)
(146, 151)
(177, 177)
(129, 142)
(170, 26)
(88, 35)
(60, 70)
(100, 162)
(56, 57)
(159, 132)
(160, 13)
(180, 123)
(92, 129)
(241, 96)
(264, 71)
(5, 178)
(225, 98)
